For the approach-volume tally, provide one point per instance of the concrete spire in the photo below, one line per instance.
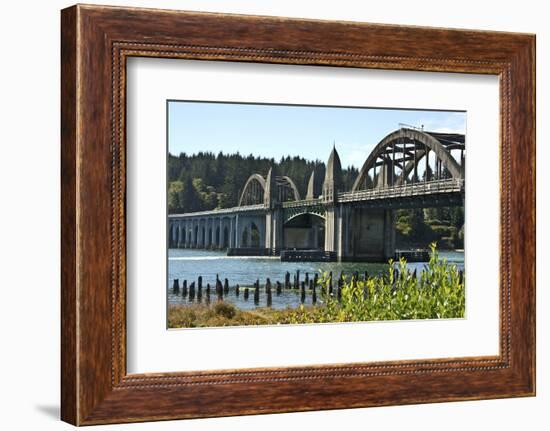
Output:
(333, 177)
(311, 186)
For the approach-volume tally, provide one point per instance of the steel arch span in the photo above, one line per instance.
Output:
(256, 187)
(253, 190)
(404, 149)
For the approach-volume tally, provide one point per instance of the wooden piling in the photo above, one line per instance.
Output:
(279, 288)
(246, 293)
(192, 291)
(267, 285)
(237, 289)
(314, 295)
(219, 287)
(307, 279)
(269, 298)
(176, 286)
(184, 288)
(311, 284)
(303, 293)
(226, 286)
(199, 282)
(330, 283)
(287, 280)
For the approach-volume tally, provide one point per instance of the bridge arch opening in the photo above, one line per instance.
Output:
(253, 191)
(225, 237)
(286, 189)
(254, 235)
(304, 232)
(172, 235)
(244, 238)
(217, 239)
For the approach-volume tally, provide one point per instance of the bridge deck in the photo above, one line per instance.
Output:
(451, 185)
(406, 190)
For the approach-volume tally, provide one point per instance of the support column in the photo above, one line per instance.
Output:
(331, 227)
(221, 236)
(389, 234)
(211, 233)
(202, 232)
(277, 234)
(262, 227)
(177, 240)
(171, 233)
(232, 232)
(343, 231)
(268, 243)
(187, 228)
(181, 241)
(237, 232)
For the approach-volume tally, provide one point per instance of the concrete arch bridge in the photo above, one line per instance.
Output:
(408, 168)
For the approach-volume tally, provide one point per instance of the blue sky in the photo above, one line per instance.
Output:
(280, 130)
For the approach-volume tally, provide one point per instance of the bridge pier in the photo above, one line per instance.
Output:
(371, 235)
(331, 230)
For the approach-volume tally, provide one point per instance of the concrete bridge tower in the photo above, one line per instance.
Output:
(273, 216)
(332, 185)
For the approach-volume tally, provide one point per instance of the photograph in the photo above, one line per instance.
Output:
(293, 214)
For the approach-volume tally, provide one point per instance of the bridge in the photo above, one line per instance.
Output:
(409, 168)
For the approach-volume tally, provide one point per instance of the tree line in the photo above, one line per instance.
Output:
(206, 181)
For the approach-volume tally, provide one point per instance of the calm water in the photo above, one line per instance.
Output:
(188, 264)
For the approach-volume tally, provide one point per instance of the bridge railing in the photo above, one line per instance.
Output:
(221, 211)
(405, 190)
(301, 203)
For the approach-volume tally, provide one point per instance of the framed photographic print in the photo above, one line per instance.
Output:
(266, 215)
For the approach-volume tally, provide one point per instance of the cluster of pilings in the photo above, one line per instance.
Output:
(195, 292)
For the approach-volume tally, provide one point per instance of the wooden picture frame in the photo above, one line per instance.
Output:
(95, 43)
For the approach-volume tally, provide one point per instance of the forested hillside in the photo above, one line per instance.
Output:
(205, 181)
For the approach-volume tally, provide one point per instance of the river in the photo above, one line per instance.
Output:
(188, 264)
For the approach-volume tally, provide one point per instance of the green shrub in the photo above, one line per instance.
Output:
(438, 293)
